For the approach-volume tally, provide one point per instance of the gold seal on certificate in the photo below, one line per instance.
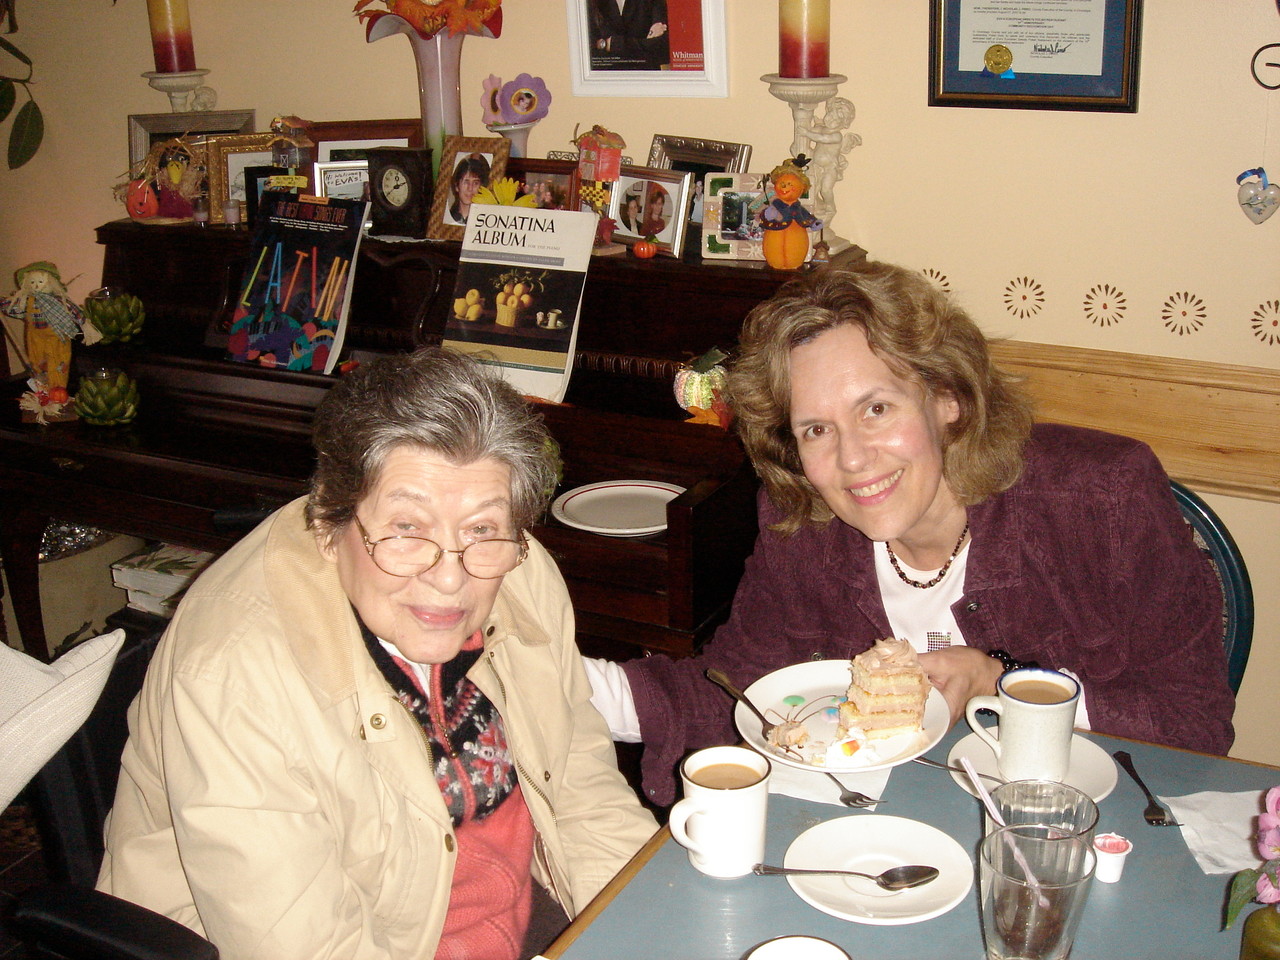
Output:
(998, 58)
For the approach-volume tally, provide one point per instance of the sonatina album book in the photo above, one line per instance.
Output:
(292, 309)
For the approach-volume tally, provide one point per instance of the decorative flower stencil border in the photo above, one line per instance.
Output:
(938, 279)
(1183, 313)
(1265, 322)
(1104, 305)
(1024, 297)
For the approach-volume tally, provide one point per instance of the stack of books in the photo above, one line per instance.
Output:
(156, 576)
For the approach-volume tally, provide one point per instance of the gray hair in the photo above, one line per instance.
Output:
(433, 400)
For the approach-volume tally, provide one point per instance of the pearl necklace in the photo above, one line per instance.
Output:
(941, 573)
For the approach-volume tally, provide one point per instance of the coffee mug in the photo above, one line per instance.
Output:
(1037, 709)
(721, 820)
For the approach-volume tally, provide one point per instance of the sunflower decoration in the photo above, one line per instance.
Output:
(478, 17)
(505, 192)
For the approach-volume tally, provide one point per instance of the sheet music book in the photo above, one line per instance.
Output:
(296, 291)
(519, 293)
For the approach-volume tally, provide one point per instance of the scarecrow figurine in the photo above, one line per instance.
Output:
(50, 322)
(785, 221)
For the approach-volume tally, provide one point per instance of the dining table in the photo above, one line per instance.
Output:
(1164, 904)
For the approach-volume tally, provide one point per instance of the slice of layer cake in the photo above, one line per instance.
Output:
(888, 692)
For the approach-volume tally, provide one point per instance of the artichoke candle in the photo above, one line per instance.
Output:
(804, 38)
(171, 36)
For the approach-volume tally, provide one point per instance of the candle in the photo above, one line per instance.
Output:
(171, 36)
(804, 38)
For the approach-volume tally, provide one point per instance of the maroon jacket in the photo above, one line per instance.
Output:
(1084, 564)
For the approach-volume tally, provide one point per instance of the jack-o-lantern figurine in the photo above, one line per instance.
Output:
(785, 221)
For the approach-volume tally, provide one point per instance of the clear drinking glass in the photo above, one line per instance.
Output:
(1045, 801)
(1034, 884)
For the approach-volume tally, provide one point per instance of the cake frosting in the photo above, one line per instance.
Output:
(887, 692)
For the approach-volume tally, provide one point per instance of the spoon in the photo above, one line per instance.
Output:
(720, 680)
(942, 766)
(895, 878)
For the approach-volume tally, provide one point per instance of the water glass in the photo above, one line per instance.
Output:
(1045, 801)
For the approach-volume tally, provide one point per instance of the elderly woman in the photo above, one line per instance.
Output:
(906, 493)
(367, 732)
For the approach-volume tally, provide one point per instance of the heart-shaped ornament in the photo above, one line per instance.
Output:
(1258, 200)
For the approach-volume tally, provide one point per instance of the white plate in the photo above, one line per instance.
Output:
(871, 843)
(802, 689)
(1091, 770)
(617, 508)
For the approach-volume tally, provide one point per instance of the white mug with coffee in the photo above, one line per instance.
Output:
(721, 820)
(1037, 709)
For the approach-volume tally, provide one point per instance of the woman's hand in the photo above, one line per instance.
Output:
(961, 673)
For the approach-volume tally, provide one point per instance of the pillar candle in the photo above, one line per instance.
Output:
(804, 38)
(171, 36)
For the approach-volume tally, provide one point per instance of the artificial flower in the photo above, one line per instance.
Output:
(524, 100)
(1263, 883)
(429, 17)
(492, 88)
(505, 192)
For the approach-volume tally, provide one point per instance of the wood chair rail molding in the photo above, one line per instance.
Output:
(1215, 426)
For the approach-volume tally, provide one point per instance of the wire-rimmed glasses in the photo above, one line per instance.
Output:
(411, 556)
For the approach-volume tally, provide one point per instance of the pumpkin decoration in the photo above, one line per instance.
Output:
(141, 200)
(647, 248)
(700, 383)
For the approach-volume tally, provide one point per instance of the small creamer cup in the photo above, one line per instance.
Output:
(1111, 849)
(722, 826)
(1034, 741)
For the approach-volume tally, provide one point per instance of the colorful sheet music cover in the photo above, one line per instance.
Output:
(516, 303)
(292, 311)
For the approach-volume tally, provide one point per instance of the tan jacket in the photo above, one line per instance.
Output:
(277, 798)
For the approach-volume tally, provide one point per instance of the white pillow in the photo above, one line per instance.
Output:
(43, 704)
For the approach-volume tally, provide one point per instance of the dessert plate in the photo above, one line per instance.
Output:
(1090, 771)
(871, 843)
(812, 692)
(617, 508)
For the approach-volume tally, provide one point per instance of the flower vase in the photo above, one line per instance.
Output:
(517, 133)
(438, 59)
(1261, 937)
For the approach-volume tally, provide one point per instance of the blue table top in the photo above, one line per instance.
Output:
(1164, 905)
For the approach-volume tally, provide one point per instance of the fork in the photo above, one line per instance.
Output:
(852, 798)
(1154, 814)
(727, 685)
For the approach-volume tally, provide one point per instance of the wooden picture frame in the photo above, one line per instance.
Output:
(987, 55)
(145, 129)
(673, 189)
(551, 181)
(697, 63)
(330, 135)
(343, 179)
(228, 158)
(493, 151)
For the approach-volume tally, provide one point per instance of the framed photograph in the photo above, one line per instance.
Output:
(349, 137)
(1035, 54)
(256, 180)
(550, 181)
(468, 164)
(341, 179)
(653, 49)
(228, 158)
(147, 129)
(732, 203)
(698, 157)
(647, 202)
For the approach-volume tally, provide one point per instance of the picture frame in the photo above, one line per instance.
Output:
(997, 55)
(696, 58)
(672, 189)
(146, 129)
(730, 230)
(448, 221)
(255, 181)
(698, 157)
(341, 179)
(228, 158)
(551, 181)
(355, 135)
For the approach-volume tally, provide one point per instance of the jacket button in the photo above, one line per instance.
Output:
(489, 632)
(377, 721)
(448, 842)
(546, 776)
(817, 655)
(972, 605)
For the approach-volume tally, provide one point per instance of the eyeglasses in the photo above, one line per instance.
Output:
(411, 556)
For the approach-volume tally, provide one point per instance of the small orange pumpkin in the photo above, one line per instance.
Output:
(646, 248)
(141, 200)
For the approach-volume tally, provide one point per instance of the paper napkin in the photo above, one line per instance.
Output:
(814, 785)
(1219, 828)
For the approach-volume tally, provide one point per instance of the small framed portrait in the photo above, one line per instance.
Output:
(732, 205)
(698, 157)
(467, 164)
(341, 179)
(648, 202)
(549, 181)
(229, 156)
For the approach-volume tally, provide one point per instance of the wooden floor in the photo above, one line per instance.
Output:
(21, 865)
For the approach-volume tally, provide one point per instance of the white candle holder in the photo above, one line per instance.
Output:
(185, 89)
(823, 139)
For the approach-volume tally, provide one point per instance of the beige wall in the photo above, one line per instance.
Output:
(1071, 201)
